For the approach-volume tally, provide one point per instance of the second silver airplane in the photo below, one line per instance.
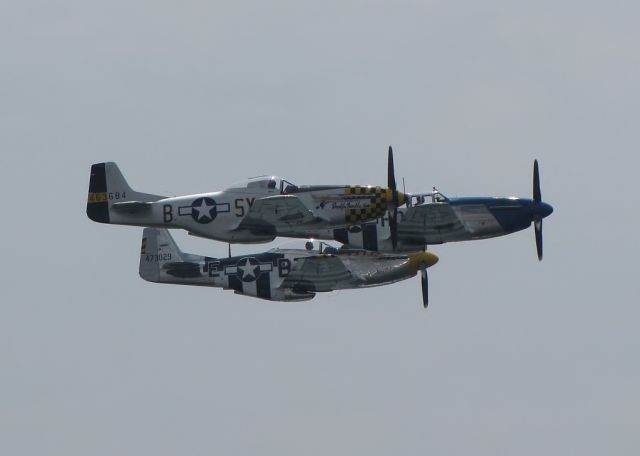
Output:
(286, 273)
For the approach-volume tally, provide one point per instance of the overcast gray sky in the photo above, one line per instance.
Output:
(512, 357)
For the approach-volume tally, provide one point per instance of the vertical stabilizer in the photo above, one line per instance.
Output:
(162, 261)
(107, 186)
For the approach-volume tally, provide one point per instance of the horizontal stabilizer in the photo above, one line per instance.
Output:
(131, 207)
(182, 270)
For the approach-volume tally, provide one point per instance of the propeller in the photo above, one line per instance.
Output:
(537, 226)
(421, 261)
(537, 198)
(393, 210)
(424, 279)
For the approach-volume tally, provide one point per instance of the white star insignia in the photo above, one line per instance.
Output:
(247, 270)
(204, 210)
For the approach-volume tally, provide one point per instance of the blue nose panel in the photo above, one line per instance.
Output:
(512, 219)
(513, 214)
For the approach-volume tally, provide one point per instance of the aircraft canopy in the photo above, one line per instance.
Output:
(271, 185)
(423, 198)
(311, 245)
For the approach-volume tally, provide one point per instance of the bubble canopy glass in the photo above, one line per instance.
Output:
(265, 184)
(311, 245)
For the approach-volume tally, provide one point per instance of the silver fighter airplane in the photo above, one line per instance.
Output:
(280, 274)
(252, 212)
(371, 218)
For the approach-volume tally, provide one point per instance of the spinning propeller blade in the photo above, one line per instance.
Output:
(391, 177)
(421, 261)
(537, 198)
(537, 226)
(425, 286)
(393, 210)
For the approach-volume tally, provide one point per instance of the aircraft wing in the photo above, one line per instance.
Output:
(273, 212)
(316, 273)
(429, 223)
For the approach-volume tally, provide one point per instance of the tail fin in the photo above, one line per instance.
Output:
(108, 186)
(162, 261)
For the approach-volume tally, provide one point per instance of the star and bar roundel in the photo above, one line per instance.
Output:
(249, 269)
(203, 209)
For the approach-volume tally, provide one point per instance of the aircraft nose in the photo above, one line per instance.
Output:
(542, 210)
(545, 209)
(426, 258)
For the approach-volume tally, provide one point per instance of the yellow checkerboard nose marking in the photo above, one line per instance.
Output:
(373, 207)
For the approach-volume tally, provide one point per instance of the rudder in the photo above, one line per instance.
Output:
(97, 202)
